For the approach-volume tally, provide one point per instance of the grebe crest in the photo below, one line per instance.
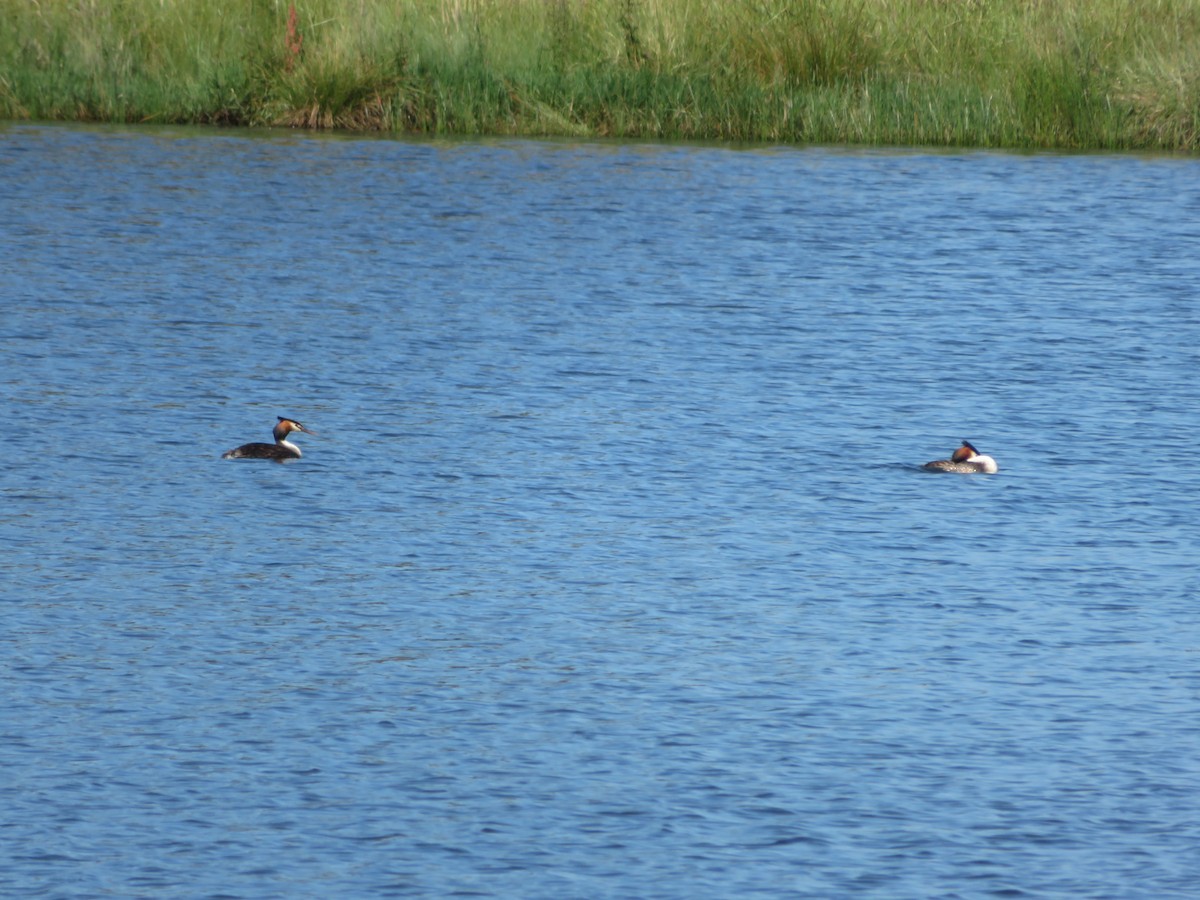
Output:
(281, 450)
(965, 460)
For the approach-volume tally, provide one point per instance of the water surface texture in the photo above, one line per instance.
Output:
(613, 571)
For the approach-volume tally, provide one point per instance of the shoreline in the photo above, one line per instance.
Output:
(1006, 74)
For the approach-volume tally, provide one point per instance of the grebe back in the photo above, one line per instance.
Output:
(279, 451)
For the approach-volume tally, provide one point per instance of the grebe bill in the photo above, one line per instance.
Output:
(966, 460)
(279, 451)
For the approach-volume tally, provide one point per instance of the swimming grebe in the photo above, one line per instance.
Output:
(280, 450)
(966, 459)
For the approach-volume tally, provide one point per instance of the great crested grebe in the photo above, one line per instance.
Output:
(279, 451)
(966, 459)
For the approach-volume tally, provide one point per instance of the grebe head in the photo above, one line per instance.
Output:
(965, 452)
(286, 426)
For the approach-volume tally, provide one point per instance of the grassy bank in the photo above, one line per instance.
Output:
(1010, 73)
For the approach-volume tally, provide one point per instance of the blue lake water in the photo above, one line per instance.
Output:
(613, 571)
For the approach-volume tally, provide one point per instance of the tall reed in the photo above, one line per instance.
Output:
(1015, 73)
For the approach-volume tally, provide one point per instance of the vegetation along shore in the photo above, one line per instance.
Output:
(1084, 74)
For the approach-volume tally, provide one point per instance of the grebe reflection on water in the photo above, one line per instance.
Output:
(965, 460)
(281, 450)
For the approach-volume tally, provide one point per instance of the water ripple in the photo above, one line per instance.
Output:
(613, 571)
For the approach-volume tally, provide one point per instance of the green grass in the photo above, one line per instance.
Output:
(1112, 74)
